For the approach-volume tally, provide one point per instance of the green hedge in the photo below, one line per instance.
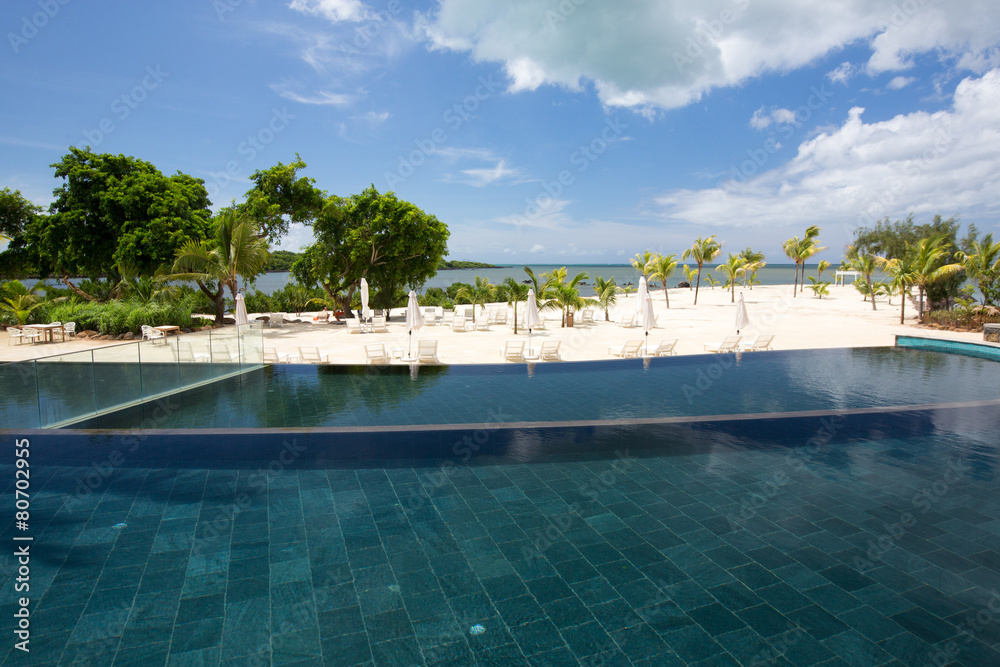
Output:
(117, 317)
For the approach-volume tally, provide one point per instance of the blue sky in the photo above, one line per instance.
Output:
(545, 131)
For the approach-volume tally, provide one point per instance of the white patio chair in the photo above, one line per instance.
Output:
(150, 334)
(762, 342)
(69, 329)
(513, 350)
(430, 316)
(458, 323)
(311, 355)
(33, 335)
(729, 344)
(378, 324)
(627, 320)
(550, 351)
(665, 348)
(14, 334)
(375, 353)
(427, 352)
(631, 348)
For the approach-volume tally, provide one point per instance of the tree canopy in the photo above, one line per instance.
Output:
(280, 197)
(388, 241)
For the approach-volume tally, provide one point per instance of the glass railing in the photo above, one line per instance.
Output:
(59, 390)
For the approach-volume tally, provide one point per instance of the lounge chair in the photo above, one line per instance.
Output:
(427, 352)
(430, 316)
(354, 325)
(483, 323)
(276, 320)
(665, 348)
(272, 356)
(586, 317)
(631, 348)
(375, 353)
(186, 353)
(730, 344)
(458, 323)
(513, 350)
(550, 351)
(762, 342)
(378, 324)
(311, 355)
(222, 354)
(500, 317)
(627, 320)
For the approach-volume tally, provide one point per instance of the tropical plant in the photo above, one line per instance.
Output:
(689, 274)
(733, 268)
(512, 291)
(703, 250)
(820, 288)
(866, 265)
(901, 278)
(981, 263)
(564, 295)
(19, 300)
(821, 267)
(926, 262)
(234, 251)
(605, 292)
(712, 282)
(799, 250)
(661, 267)
(478, 295)
(641, 263)
(754, 262)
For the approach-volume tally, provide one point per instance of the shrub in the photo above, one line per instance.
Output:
(118, 317)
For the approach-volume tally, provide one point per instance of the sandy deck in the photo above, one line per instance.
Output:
(840, 320)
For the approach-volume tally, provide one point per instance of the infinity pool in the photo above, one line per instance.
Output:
(804, 508)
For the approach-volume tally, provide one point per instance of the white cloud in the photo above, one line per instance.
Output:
(841, 73)
(763, 119)
(537, 248)
(321, 97)
(333, 10)
(925, 163)
(481, 177)
(900, 82)
(669, 53)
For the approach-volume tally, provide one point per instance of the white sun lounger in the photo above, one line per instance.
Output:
(631, 348)
(311, 355)
(513, 350)
(427, 352)
(730, 344)
(665, 348)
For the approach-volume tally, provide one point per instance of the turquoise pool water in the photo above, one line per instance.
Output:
(860, 526)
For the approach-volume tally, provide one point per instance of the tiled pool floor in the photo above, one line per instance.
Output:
(724, 558)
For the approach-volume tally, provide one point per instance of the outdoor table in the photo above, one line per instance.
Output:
(49, 330)
(168, 329)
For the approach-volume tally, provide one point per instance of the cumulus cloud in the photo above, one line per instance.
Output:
(842, 73)
(333, 10)
(900, 82)
(943, 162)
(762, 119)
(669, 53)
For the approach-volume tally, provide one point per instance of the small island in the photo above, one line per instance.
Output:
(444, 265)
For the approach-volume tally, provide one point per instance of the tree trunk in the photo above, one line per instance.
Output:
(76, 290)
(732, 291)
(795, 282)
(515, 318)
(218, 298)
(697, 286)
(920, 305)
(902, 305)
(666, 294)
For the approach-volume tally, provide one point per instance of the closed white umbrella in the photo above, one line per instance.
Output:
(414, 320)
(531, 317)
(742, 317)
(241, 310)
(641, 295)
(364, 299)
(648, 317)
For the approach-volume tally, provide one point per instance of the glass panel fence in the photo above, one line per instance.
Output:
(62, 388)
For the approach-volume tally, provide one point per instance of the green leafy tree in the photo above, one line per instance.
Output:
(111, 209)
(733, 268)
(388, 241)
(478, 295)
(703, 250)
(235, 250)
(661, 267)
(606, 293)
(512, 292)
(279, 197)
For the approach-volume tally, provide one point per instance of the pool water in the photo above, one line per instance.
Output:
(827, 538)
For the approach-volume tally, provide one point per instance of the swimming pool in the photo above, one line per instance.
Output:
(802, 507)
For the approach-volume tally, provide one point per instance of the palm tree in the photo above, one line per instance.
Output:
(661, 267)
(982, 260)
(512, 291)
(478, 295)
(641, 263)
(564, 295)
(821, 267)
(703, 250)
(20, 300)
(754, 262)
(901, 278)
(689, 275)
(733, 268)
(234, 250)
(866, 266)
(799, 250)
(606, 293)
(926, 264)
